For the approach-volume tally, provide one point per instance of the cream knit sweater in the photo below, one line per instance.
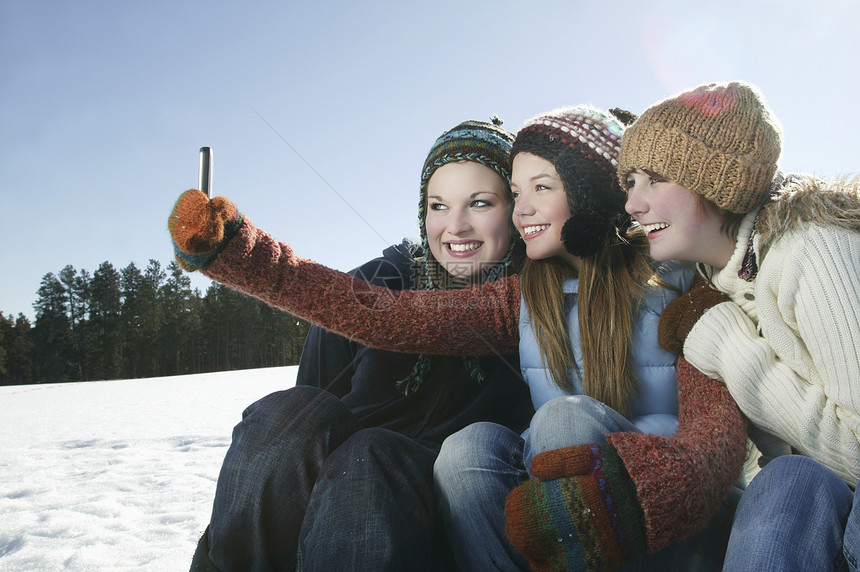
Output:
(787, 346)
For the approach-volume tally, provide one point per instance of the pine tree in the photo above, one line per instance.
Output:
(104, 341)
(6, 331)
(52, 334)
(180, 311)
(131, 311)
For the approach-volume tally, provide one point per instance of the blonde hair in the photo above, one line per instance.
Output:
(611, 285)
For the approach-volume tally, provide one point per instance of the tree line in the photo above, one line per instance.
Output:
(119, 324)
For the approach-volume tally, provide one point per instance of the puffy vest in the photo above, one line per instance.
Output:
(655, 408)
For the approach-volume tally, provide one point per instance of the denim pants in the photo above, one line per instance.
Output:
(480, 465)
(304, 487)
(796, 514)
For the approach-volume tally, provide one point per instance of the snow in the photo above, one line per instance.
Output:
(117, 475)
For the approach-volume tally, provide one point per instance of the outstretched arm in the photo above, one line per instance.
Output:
(599, 506)
(214, 237)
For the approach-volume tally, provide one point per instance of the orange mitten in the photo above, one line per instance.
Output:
(200, 228)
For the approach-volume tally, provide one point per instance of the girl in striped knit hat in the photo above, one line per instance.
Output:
(776, 316)
(584, 318)
(393, 410)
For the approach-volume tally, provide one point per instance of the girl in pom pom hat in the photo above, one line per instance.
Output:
(592, 363)
(777, 316)
(583, 316)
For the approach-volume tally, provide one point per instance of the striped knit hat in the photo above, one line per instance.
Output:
(718, 140)
(582, 143)
(479, 142)
(476, 141)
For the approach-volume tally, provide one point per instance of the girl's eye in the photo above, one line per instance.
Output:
(481, 203)
(630, 183)
(541, 187)
(437, 206)
(515, 195)
(654, 180)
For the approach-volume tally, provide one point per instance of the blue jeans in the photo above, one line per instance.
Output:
(304, 487)
(480, 465)
(796, 514)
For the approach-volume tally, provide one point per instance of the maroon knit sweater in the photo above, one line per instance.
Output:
(679, 480)
(481, 320)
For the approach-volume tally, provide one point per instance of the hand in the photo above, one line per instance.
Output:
(201, 228)
(681, 314)
(580, 513)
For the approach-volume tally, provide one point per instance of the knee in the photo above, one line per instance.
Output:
(299, 400)
(563, 407)
(796, 478)
(463, 448)
(787, 468)
(378, 446)
(280, 403)
(576, 419)
(473, 453)
(299, 414)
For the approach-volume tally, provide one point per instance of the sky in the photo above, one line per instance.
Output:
(106, 488)
(320, 114)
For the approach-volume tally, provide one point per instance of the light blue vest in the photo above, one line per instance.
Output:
(655, 408)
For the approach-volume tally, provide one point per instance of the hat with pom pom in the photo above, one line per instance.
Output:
(582, 143)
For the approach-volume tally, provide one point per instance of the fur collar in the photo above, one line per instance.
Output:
(805, 199)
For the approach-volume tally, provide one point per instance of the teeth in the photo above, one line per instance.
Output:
(655, 226)
(535, 228)
(464, 247)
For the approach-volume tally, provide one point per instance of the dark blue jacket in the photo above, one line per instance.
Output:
(448, 399)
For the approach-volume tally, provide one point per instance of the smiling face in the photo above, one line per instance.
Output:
(468, 218)
(540, 206)
(679, 225)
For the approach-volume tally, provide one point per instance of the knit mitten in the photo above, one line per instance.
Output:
(681, 314)
(201, 228)
(598, 506)
(580, 513)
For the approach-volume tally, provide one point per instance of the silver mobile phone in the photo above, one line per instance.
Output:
(204, 180)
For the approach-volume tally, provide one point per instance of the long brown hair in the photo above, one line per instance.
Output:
(611, 285)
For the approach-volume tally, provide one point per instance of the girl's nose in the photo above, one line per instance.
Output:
(634, 204)
(522, 206)
(459, 223)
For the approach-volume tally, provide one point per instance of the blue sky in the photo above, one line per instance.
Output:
(320, 113)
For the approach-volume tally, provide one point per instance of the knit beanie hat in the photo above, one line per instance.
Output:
(718, 140)
(582, 143)
(480, 142)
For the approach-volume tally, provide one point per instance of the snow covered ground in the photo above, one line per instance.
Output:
(116, 475)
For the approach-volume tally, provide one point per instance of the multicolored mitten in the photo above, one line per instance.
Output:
(580, 513)
(596, 506)
(681, 314)
(201, 228)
